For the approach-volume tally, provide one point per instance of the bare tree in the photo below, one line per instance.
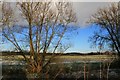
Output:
(8, 32)
(109, 64)
(47, 24)
(100, 47)
(108, 21)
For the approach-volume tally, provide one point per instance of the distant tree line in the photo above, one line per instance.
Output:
(5, 53)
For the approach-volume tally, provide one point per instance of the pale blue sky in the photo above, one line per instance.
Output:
(84, 10)
(80, 40)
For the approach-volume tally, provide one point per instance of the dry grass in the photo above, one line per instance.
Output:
(85, 58)
(66, 58)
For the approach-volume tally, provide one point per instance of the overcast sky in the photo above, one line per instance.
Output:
(85, 9)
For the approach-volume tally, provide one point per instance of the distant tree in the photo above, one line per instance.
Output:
(47, 25)
(108, 20)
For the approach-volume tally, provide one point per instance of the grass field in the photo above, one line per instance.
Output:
(66, 58)
(73, 70)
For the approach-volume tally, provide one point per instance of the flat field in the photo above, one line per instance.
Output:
(66, 58)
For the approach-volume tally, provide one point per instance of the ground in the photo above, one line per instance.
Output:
(71, 66)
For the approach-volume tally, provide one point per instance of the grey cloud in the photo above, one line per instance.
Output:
(85, 9)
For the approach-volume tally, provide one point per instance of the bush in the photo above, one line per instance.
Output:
(14, 74)
(115, 64)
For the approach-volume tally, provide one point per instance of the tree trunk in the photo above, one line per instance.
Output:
(84, 71)
(108, 73)
(100, 72)
(30, 42)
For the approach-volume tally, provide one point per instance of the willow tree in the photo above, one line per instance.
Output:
(46, 26)
(108, 20)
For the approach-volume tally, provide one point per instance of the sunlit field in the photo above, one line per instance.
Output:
(65, 58)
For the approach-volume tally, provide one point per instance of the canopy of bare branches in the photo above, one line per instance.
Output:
(108, 20)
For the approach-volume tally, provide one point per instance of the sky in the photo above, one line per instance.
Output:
(80, 40)
(83, 12)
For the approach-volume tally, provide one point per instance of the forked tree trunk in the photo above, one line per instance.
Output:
(108, 73)
(100, 71)
(108, 69)
(84, 71)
